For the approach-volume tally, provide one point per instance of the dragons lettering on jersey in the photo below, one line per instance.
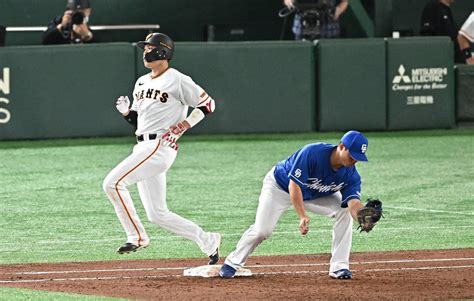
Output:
(315, 183)
(152, 94)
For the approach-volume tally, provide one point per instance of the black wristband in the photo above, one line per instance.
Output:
(466, 53)
(132, 117)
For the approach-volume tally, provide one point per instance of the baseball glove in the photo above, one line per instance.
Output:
(369, 215)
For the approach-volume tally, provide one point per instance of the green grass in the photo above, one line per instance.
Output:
(54, 209)
(11, 294)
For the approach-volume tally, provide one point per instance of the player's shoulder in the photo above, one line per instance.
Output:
(175, 72)
(143, 78)
(319, 147)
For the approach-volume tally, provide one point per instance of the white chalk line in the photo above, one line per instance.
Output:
(261, 273)
(249, 266)
(371, 270)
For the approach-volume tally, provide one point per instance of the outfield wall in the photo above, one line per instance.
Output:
(368, 84)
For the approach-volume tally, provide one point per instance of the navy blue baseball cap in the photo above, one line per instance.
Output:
(357, 145)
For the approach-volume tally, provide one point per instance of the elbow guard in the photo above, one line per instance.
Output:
(207, 104)
(132, 117)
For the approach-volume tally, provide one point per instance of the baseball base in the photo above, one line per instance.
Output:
(209, 271)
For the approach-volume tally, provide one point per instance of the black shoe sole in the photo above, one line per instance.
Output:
(131, 251)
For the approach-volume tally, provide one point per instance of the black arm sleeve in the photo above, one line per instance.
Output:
(132, 117)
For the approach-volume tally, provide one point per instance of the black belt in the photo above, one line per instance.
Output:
(141, 138)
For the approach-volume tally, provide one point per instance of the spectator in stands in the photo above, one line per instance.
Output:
(72, 27)
(437, 20)
(465, 38)
(319, 22)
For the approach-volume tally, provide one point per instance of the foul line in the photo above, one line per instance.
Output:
(249, 266)
(370, 270)
(263, 273)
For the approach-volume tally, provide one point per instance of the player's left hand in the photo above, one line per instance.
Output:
(369, 215)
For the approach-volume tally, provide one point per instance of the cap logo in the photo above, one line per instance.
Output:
(363, 148)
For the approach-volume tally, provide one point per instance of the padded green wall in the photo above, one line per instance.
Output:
(465, 93)
(420, 83)
(257, 86)
(70, 91)
(65, 91)
(351, 84)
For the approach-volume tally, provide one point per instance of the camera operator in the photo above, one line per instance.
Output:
(71, 27)
(317, 19)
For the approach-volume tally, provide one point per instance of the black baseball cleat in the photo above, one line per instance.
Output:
(214, 257)
(344, 274)
(129, 248)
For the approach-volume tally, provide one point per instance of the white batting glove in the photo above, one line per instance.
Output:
(123, 104)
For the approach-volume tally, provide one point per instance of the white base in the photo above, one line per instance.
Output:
(208, 271)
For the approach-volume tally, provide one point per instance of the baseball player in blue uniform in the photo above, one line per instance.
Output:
(320, 178)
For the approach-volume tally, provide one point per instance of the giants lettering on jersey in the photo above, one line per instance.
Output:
(152, 94)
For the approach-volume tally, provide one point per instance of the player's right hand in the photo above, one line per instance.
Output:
(304, 225)
(123, 104)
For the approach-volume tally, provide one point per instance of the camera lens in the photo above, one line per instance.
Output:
(77, 18)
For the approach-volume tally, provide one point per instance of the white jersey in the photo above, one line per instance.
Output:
(163, 101)
(467, 29)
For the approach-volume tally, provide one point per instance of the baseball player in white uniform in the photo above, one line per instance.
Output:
(466, 37)
(159, 111)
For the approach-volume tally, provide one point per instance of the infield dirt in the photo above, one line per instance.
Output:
(437, 274)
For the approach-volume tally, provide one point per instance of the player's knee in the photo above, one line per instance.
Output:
(263, 234)
(110, 185)
(160, 217)
(107, 186)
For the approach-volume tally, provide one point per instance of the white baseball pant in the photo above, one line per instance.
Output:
(147, 166)
(273, 202)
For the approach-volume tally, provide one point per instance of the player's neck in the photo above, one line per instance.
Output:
(334, 161)
(159, 69)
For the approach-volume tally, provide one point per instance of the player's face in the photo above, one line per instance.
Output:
(345, 157)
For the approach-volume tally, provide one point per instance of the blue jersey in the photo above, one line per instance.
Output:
(310, 168)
